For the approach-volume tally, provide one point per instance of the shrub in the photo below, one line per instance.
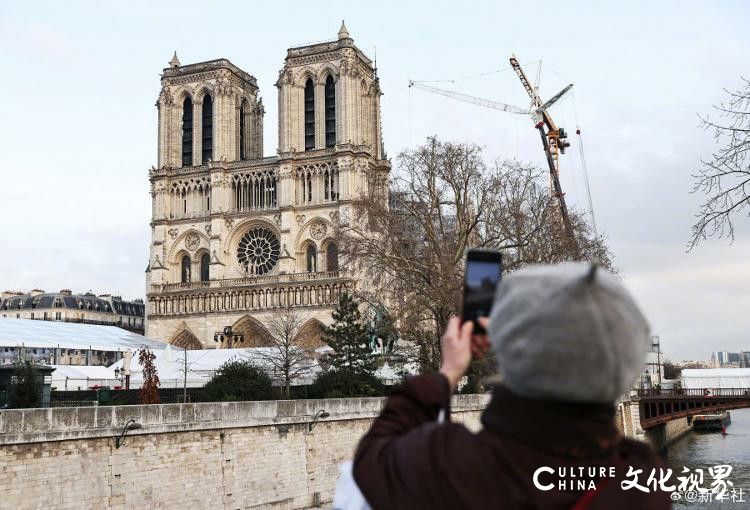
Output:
(150, 388)
(238, 380)
(346, 383)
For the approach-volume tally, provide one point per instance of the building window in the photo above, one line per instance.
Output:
(258, 251)
(205, 259)
(332, 257)
(311, 257)
(185, 269)
(187, 132)
(330, 103)
(309, 115)
(45, 315)
(330, 184)
(58, 316)
(207, 138)
(243, 154)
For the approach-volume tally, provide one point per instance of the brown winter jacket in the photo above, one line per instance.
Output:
(408, 460)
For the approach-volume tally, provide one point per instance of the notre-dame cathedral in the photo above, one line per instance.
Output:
(236, 235)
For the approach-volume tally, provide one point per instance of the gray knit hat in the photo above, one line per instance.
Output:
(568, 332)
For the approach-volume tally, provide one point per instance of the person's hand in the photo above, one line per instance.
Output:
(457, 349)
(480, 343)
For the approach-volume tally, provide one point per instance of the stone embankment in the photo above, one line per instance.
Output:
(208, 455)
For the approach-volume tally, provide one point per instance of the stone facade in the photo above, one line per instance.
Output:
(214, 455)
(236, 235)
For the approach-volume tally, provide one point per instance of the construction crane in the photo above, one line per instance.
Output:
(471, 99)
(554, 139)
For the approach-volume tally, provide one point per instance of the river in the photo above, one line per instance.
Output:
(705, 450)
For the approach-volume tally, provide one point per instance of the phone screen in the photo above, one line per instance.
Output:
(483, 272)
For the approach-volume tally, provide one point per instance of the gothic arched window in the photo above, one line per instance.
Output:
(205, 259)
(185, 269)
(311, 257)
(243, 150)
(208, 127)
(187, 132)
(309, 115)
(330, 103)
(332, 257)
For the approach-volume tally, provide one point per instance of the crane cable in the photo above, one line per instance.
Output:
(584, 168)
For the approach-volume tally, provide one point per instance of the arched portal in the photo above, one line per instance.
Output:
(185, 339)
(310, 335)
(255, 334)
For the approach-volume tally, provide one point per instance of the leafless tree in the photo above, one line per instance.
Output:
(724, 178)
(410, 235)
(290, 352)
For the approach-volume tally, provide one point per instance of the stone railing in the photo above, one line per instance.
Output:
(250, 294)
(249, 281)
(60, 423)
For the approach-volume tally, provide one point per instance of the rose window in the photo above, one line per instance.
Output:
(258, 251)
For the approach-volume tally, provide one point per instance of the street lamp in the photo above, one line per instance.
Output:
(130, 425)
(320, 414)
(228, 336)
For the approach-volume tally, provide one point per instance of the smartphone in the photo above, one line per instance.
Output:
(484, 269)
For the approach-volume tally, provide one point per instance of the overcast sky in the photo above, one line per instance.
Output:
(78, 124)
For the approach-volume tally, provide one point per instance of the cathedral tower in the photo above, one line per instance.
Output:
(235, 235)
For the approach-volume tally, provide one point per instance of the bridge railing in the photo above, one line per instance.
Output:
(693, 392)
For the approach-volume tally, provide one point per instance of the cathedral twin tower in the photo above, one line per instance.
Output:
(237, 236)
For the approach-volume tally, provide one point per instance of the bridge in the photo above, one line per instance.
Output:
(660, 406)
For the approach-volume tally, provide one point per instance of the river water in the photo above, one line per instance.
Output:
(705, 450)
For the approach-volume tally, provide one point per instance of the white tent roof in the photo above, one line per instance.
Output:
(202, 364)
(715, 378)
(71, 335)
(82, 372)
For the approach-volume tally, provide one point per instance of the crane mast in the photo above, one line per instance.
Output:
(554, 141)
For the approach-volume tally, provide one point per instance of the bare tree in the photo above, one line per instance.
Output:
(185, 369)
(410, 235)
(291, 351)
(724, 178)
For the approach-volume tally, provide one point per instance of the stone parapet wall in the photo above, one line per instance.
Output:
(208, 455)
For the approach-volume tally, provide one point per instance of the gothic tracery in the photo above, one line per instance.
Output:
(260, 251)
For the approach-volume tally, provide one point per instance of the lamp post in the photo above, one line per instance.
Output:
(228, 336)
(130, 425)
(320, 414)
